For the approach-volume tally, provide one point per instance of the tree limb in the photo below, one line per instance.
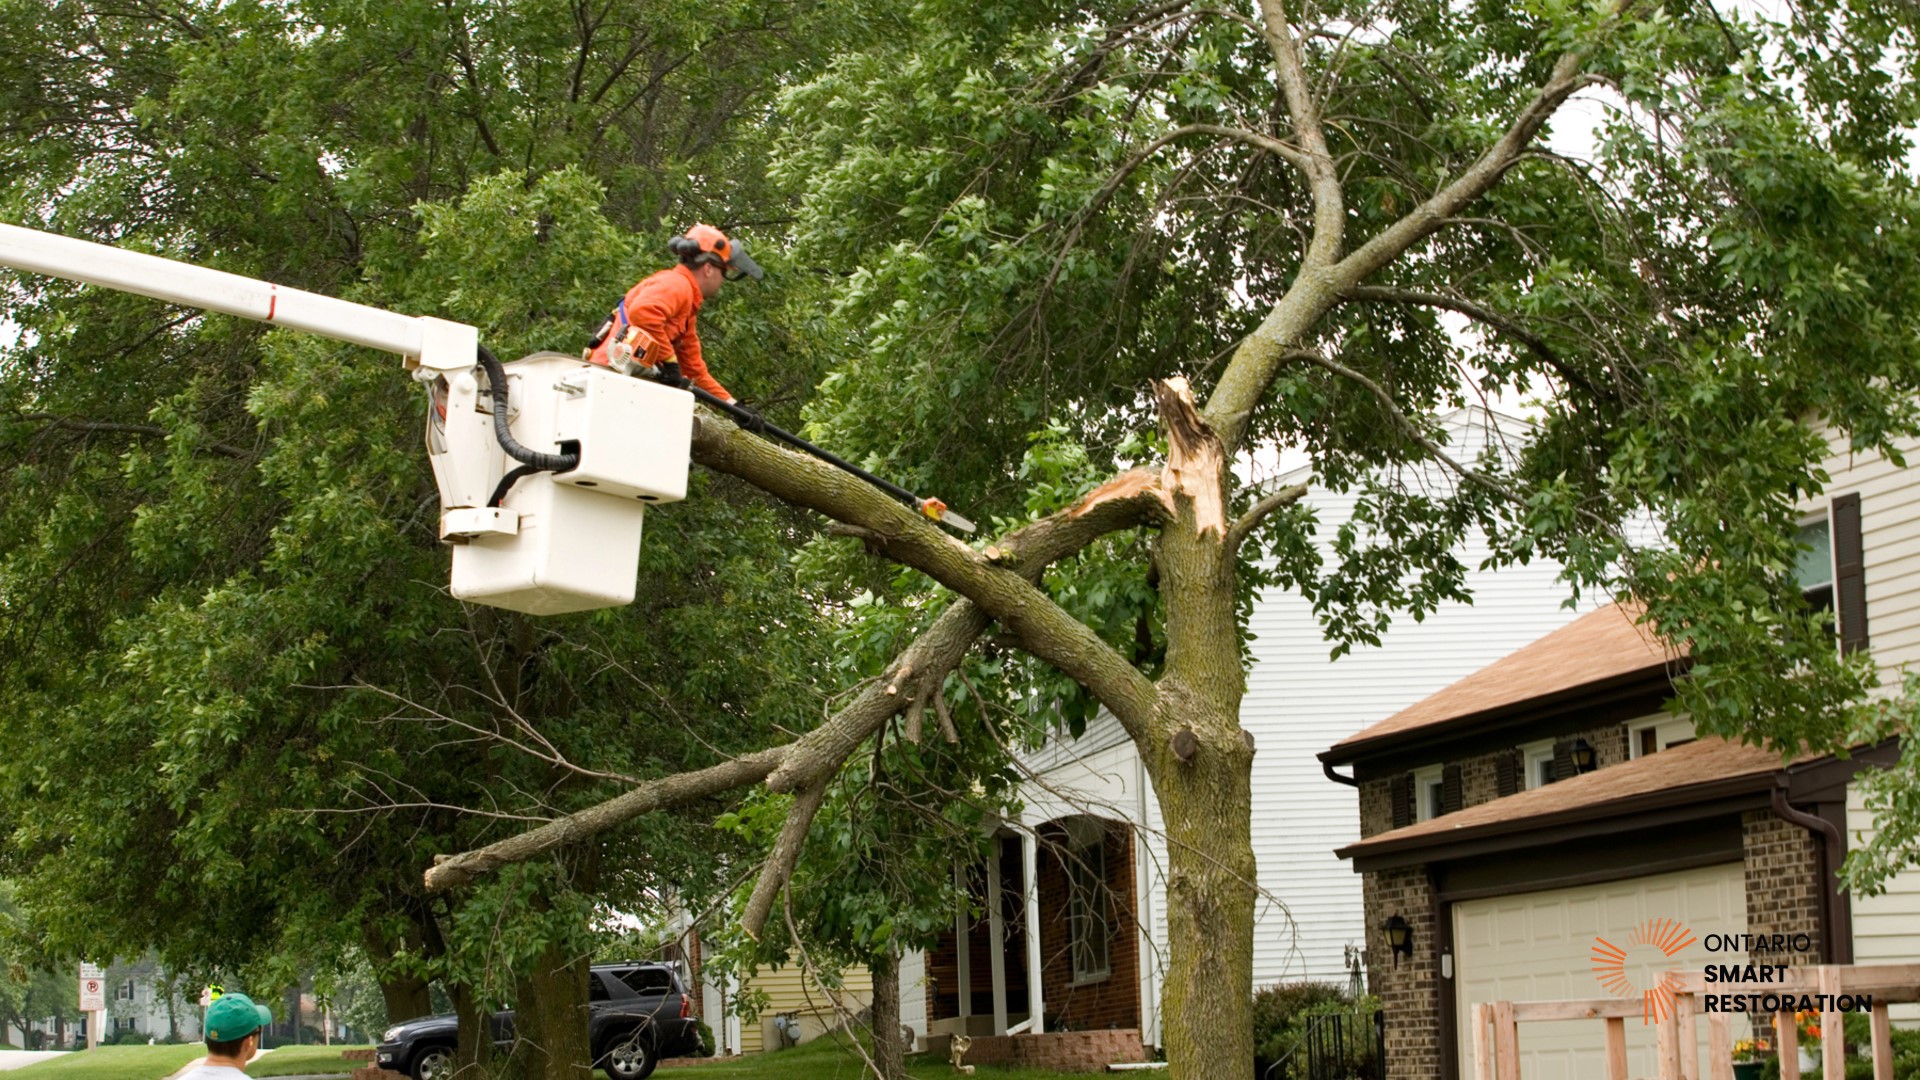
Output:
(451, 870)
(1244, 525)
(1045, 629)
(74, 423)
(1131, 499)
(780, 862)
(1480, 314)
(1329, 205)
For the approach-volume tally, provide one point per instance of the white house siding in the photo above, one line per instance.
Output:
(1890, 541)
(1299, 703)
(1886, 928)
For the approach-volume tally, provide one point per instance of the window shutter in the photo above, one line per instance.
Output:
(1506, 773)
(1402, 795)
(1450, 793)
(1563, 759)
(1849, 572)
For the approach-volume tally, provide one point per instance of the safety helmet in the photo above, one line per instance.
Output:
(704, 243)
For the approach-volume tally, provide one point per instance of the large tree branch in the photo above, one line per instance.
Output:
(783, 858)
(1045, 629)
(451, 870)
(1317, 288)
(1329, 205)
(1390, 243)
(1481, 314)
(1276, 499)
(1131, 499)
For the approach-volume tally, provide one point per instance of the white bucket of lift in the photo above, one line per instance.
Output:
(577, 542)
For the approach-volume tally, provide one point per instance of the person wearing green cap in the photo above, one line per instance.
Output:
(232, 1029)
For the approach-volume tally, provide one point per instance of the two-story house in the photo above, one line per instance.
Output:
(1545, 804)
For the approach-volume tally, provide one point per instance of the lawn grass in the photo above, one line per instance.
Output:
(306, 1061)
(113, 1063)
(826, 1059)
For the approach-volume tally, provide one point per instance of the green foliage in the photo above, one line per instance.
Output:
(1283, 1012)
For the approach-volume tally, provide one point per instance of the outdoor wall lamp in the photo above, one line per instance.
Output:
(1399, 938)
(1583, 757)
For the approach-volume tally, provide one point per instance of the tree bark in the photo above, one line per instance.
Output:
(405, 993)
(550, 1017)
(889, 1049)
(473, 1047)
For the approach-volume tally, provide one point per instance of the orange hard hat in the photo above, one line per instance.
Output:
(704, 242)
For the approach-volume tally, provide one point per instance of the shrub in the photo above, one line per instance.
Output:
(1280, 1014)
(706, 1039)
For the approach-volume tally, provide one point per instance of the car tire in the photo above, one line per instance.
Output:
(433, 1063)
(633, 1059)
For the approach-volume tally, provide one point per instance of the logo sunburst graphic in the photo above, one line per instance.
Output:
(1610, 966)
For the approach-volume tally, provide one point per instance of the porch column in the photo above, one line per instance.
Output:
(960, 945)
(1030, 873)
(997, 941)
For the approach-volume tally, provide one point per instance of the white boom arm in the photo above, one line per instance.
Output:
(430, 345)
(529, 543)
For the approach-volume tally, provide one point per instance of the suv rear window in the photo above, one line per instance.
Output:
(647, 980)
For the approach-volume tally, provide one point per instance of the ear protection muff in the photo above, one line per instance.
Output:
(683, 248)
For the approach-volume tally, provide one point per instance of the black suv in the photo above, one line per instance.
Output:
(636, 1015)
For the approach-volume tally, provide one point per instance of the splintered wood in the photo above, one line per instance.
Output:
(1196, 461)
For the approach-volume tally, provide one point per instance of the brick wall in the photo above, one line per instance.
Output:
(1110, 1002)
(1409, 991)
(1783, 883)
(1064, 1051)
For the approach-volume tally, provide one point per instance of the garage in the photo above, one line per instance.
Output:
(1536, 946)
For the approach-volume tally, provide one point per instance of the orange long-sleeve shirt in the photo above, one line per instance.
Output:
(667, 305)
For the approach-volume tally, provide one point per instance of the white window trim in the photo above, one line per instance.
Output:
(1531, 755)
(1424, 781)
(1667, 730)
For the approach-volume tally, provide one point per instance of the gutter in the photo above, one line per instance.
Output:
(1327, 767)
(1835, 947)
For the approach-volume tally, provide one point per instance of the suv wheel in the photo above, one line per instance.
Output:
(630, 1060)
(434, 1063)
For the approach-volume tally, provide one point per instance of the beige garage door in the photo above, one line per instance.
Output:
(1537, 947)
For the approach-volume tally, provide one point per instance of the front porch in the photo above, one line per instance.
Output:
(1074, 879)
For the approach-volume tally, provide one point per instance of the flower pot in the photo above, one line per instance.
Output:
(1748, 1070)
(1809, 1061)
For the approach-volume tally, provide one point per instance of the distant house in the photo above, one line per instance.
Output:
(1547, 800)
(1072, 933)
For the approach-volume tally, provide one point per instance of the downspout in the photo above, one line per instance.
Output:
(1832, 849)
(1143, 882)
(1327, 767)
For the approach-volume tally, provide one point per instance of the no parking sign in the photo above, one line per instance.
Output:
(93, 988)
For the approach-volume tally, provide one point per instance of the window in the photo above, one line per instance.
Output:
(1429, 793)
(1088, 926)
(1814, 569)
(596, 990)
(1538, 759)
(124, 991)
(1652, 736)
(126, 1023)
(647, 980)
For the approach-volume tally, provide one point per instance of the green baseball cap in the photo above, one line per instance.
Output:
(234, 1016)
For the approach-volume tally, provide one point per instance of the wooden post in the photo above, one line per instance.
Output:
(1482, 1048)
(1616, 1048)
(1833, 1030)
(1882, 1042)
(1787, 1035)
(1667, 1029)
(1689, 1039)
(1719, 1047)
(1506, 1042)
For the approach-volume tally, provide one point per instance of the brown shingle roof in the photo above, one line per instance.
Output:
(1598, 647)
(1706, 762)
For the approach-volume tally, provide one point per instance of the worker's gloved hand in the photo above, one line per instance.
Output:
(749, 419)
(669, 375)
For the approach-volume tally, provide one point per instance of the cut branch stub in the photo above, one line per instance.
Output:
(1196, 460)
(1185, 745)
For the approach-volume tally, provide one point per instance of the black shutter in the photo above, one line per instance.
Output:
(1450, 793)
(1849, 572)
(1402, 794)
(1506, 773)
(1562, 759)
